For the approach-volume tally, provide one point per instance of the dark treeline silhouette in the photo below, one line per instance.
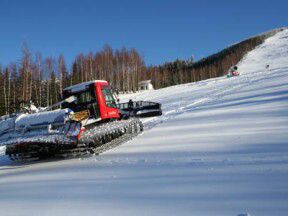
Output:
(42, 80)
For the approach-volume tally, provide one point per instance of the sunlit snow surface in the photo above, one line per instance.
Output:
(220, 148)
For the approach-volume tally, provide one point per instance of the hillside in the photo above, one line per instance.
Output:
(215, 65)
(220, 148)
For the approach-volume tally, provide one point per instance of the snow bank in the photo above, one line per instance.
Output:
(6, 125)
(220, 148)
(2, 150)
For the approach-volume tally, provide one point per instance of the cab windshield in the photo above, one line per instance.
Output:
(110, 101)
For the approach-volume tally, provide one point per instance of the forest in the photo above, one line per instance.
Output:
(41, 80)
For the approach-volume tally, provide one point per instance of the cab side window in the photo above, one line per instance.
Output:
(86, 97)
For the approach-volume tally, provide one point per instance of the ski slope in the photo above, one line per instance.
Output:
(220, 148)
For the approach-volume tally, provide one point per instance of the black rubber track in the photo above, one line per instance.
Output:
(95, 140)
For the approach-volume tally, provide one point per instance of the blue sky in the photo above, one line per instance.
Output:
(161, 30)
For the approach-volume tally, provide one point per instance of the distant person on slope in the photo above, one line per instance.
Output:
(233, 72)
(130, 105)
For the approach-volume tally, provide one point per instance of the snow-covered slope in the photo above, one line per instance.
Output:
(220, 148)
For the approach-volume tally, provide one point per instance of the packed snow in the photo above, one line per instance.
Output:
(220, 148)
